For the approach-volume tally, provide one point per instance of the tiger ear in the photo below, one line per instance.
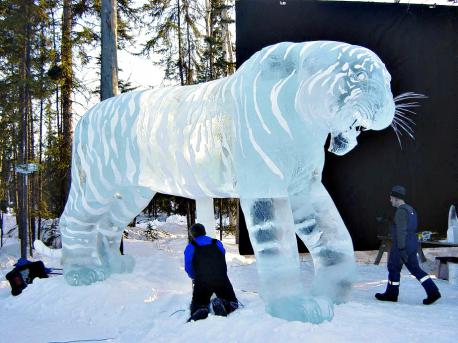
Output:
(317, 60)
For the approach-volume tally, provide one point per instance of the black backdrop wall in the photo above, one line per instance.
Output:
(419, 46)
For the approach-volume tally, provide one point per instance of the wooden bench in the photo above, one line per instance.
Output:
(442, 270)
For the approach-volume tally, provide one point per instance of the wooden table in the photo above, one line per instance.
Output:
(438, 244)
(385, 245)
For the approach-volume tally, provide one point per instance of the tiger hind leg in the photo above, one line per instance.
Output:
(128, 203)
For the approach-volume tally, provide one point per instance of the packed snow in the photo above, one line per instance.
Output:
(151, 304)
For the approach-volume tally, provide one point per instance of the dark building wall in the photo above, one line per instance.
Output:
(419, 46)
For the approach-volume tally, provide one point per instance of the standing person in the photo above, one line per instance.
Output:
(205, 264)
(404, 251)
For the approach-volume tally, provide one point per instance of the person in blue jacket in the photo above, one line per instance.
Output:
(205, 264)
(404, 251)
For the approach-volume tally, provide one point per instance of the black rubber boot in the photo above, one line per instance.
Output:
(231, 306)
(200, 313)
(218, 307)
(391, 294)
(431, 298)
(431, 291)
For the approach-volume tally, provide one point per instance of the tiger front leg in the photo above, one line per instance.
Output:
(127, 203)
(271, 229)
(91, 234)
(80, 259)
(320, 227)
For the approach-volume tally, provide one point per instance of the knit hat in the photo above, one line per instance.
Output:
(398, 192)
(197, 230)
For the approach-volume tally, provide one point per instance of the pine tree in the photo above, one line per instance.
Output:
(219, 51)
(176, 37)
(19, 22)
(66, 100)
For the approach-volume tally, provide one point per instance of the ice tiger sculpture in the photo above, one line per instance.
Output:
(257, 135)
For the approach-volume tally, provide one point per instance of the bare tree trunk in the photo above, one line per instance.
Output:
(16, 182)
(67, 128)
(228, 52)
(57, 61)
(189, 76)
(40, 134)
(190, 212)
(32, 181)
(209, 32)
(23, 147)
(180, 44)
(109, 59)
(237, 230)
(1, 227)
(220, 219)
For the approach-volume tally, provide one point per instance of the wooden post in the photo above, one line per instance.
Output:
(221, 219)
(1, 225)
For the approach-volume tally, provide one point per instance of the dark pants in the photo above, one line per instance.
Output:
(395, 265)
(203, 291)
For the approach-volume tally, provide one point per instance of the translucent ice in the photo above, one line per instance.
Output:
(257, 135)
(452, 231)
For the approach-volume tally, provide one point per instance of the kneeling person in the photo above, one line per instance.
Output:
(205, 264)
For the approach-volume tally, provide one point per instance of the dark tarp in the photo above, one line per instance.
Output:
(419, 46)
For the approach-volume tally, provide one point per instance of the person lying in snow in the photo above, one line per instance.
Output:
(205, 264)
(23, 274)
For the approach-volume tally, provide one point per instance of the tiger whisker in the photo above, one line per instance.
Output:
(409, 95)
(408, 105)
(397, 134)
(406, 128)
(403, 95)
(400, 114)
(405, 124)
(403, 110)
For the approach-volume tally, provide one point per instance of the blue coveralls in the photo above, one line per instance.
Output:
(205, 264)
(406, 238)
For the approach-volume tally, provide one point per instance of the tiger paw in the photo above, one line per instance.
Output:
(79, 275)
(305, 309)
(318, 309)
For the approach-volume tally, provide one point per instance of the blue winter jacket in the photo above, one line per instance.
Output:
(189, 252)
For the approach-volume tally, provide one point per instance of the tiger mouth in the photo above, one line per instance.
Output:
(343, 142)
(339, 143)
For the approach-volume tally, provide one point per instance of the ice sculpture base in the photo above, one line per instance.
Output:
(309, 309)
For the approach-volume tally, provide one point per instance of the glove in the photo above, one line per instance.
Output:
(404, 255)
(382, 220)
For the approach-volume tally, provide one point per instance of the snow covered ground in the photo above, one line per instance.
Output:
(151, 304)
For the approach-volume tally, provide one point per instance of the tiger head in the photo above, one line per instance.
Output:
(348, 85)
